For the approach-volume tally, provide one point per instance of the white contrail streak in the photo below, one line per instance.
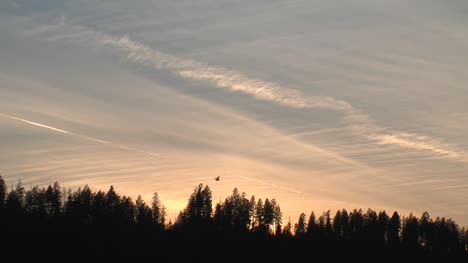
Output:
(89, 138)
(140, 151)
(35, 124)
(291, 190)
(77, 135)
(274, 185)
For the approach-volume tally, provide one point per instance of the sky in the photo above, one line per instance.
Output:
(318, 104)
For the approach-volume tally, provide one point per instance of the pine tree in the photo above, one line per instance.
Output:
(112, 205)
(426, 231)
(287, 230)
(252, 214)
(20, 193)
(199, 208)
(57, 199)
(128, 210)
(3, 192)
(300, 229)
(382, 224)
(156, 208)
(277, 214)
(162, 217)
(337, 224)
(207, 204)
(35, 202)
(312, 226)
(409, 233)
(268, 215)
(143, 212)
(98, 209)
(278, 230)
(393, 231)
(259, 221)
(84, 202)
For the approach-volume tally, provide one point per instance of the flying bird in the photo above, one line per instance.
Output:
(217, 178)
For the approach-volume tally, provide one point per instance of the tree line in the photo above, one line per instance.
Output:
(239, 221)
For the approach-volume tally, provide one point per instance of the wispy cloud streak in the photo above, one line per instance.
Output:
(221, 77)
(412, 141)
(267, 91)
(359, 122)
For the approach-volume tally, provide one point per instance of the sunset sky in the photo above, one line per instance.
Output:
(319, 104)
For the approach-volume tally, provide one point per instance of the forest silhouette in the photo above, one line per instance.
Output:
(83, 225)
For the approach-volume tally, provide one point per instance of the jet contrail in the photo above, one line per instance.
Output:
(35, 124)
(291, 190)
(140, 151)
(274, 185)
(77, 135)
(89, 138)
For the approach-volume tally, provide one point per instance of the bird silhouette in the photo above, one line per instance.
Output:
(217, 178)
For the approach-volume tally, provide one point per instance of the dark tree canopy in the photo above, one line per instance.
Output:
(119, 224)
